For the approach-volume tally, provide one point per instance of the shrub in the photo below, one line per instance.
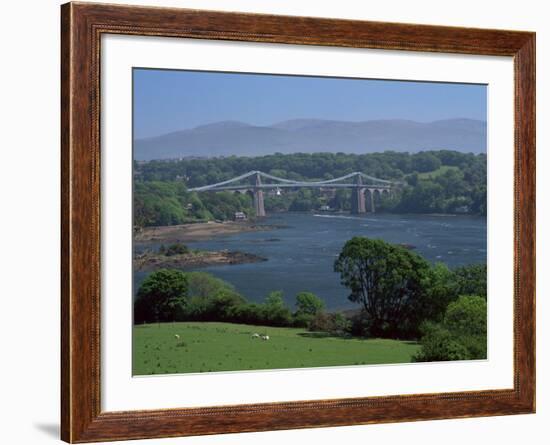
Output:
(223, 303)
(461, 336)
(360, 324)
(217, 307)
(467, 316)
(302, 320)
(197, 309)
(438, 344)
(332, 323)
(275, 312)
(248, 313)
(174, 249)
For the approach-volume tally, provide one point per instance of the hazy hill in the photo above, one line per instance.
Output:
(315, 135)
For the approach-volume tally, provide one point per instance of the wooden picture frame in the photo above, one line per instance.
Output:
(82, 26)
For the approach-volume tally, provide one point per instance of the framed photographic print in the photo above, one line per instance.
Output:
(274, 222)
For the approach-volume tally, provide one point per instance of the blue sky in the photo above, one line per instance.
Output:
(172, 100)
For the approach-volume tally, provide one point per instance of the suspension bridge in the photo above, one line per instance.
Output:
(364, 188)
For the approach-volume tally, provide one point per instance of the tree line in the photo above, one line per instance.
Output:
(197, 172)
(172, 295)
(400, 296)
(158, 203)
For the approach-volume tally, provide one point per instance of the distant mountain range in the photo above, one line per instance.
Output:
(315, 135)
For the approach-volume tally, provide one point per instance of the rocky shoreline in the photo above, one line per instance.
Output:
(150, 261)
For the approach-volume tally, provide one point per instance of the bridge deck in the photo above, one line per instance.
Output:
(297, 185)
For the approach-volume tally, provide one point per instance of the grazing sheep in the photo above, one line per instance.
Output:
(255, 335)
(265, 337)
(177, 336)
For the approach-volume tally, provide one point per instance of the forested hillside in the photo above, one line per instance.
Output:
(436, 182)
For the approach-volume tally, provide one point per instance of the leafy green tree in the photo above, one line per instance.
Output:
(341, 200)
(461, 336)
(452, 183)
(388, 281)
(442, 288)
(205, 285)
(479, 199)
(276, 203)
(425, 197)
(472, 280)
(304, 201)
(161, 297)
(467, 316)
(275, 311)
(308, 303)
(425, 162)
(275, 299)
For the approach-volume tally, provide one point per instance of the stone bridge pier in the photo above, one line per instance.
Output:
(362, 198)
(258, 197)
(370, 200)
(358, 197)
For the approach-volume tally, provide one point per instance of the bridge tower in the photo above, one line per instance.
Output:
(259, 196)
(358, 197)
(370, 206)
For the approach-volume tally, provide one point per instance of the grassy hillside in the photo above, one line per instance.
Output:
(440, 171)
(206, 347)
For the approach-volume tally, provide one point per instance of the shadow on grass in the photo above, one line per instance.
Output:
(323, 335)
(348, 337)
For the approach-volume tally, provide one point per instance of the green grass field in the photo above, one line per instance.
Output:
(207, 347)
(440, 171)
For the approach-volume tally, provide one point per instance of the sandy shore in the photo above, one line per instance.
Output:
(197, 231)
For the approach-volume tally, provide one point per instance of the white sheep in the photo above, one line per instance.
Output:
(177, 336)
(255, 335)
(265, 337)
